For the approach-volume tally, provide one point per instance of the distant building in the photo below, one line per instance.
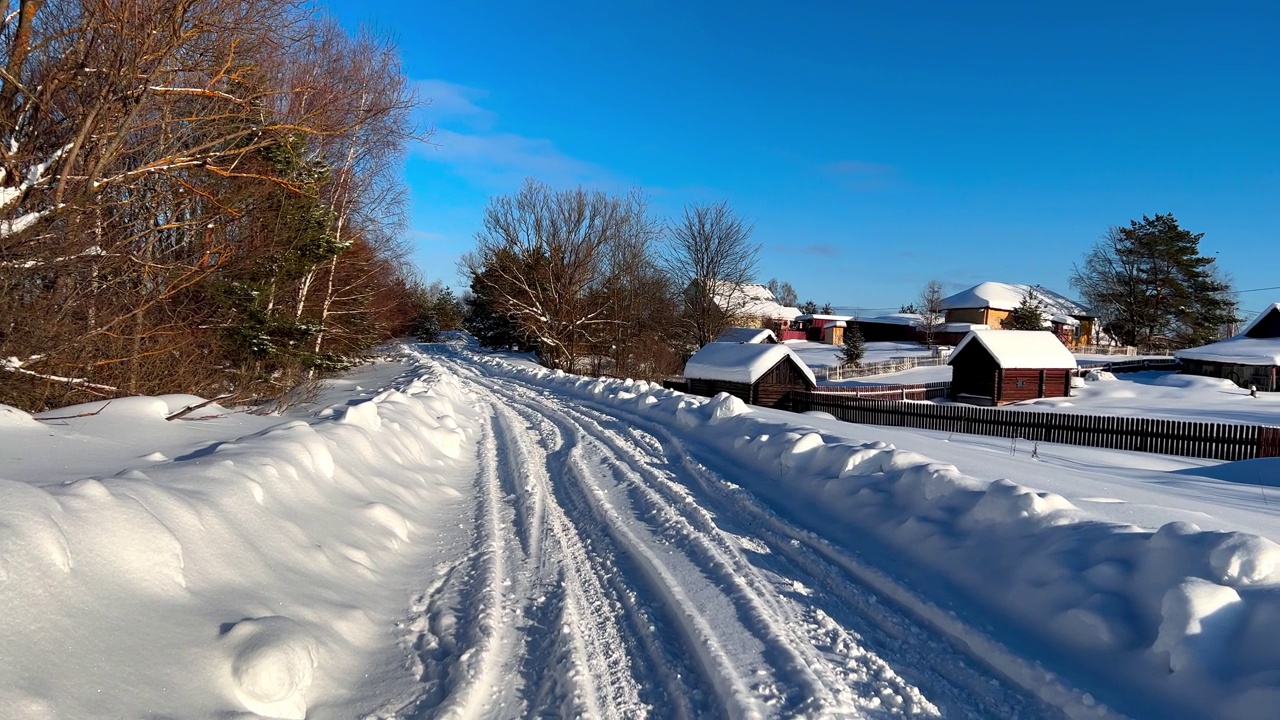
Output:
(995, 367)
(757, 373)
(822, 328)
(1251, 358)
(989, 303)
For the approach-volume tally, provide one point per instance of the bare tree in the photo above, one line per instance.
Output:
(710, 256)
(783, 292)
(931, 313)
(181, 182)
(552, 261)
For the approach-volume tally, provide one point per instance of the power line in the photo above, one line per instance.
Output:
(1241, 292)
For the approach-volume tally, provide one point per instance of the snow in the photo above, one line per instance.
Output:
(1165, 395)
(746, 335)
(1145, 616)
(1021, 349)
(1238, 350)
(454, 535)
(1006, 296)
(911, 319)
(260, 570)
(739, 362)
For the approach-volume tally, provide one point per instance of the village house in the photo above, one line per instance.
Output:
(995, 367)
(756, 373)
(989, 303)
(752, 305)
(823, 328)
(1249, 359)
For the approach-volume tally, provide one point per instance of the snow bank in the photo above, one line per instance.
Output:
(1182, 618)
(222, 583)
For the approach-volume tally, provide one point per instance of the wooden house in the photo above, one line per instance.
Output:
(1249, 359)
(996, 367)
(757, 373)
(989, 303)
(746, 335)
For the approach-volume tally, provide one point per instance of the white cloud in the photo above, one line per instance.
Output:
(465, 139)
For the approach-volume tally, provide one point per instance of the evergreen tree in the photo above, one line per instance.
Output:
(809, 307)
(827, 309)
(855, 347)
(1150, 284)
(1029, 315)
(909, 309)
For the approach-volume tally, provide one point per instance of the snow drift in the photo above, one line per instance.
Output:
(222, 582)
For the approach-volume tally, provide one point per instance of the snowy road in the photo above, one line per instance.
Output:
(615, 575)
(450, 534)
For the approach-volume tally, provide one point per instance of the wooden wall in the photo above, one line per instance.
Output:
(1017, 385)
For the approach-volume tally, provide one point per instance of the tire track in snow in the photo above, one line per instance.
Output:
(867, 615)
(843, 679)
(599, 669)
(966, 671)
(671, 682)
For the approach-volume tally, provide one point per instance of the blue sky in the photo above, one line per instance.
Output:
(875, 145)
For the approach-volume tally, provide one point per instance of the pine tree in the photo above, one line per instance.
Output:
(809, 307)
(1150, 284)
(827, 309)
(855, 347)
(1029, 315)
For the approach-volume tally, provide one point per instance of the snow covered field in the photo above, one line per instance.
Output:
(454, 535)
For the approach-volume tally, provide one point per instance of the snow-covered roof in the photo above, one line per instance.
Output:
(1240, 349)
(1007, 296)
(1274, 307)
(746, 335)
(963, 327)
(911, 319)
(1026, 349)
(740, 362)
(820, 316)
(750, 299)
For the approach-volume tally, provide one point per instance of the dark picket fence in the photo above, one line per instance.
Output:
(1219, 441)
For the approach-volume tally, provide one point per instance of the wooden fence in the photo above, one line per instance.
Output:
(1219, 441)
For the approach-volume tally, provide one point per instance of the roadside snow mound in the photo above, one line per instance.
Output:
(1185, 616)
(221, 583)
